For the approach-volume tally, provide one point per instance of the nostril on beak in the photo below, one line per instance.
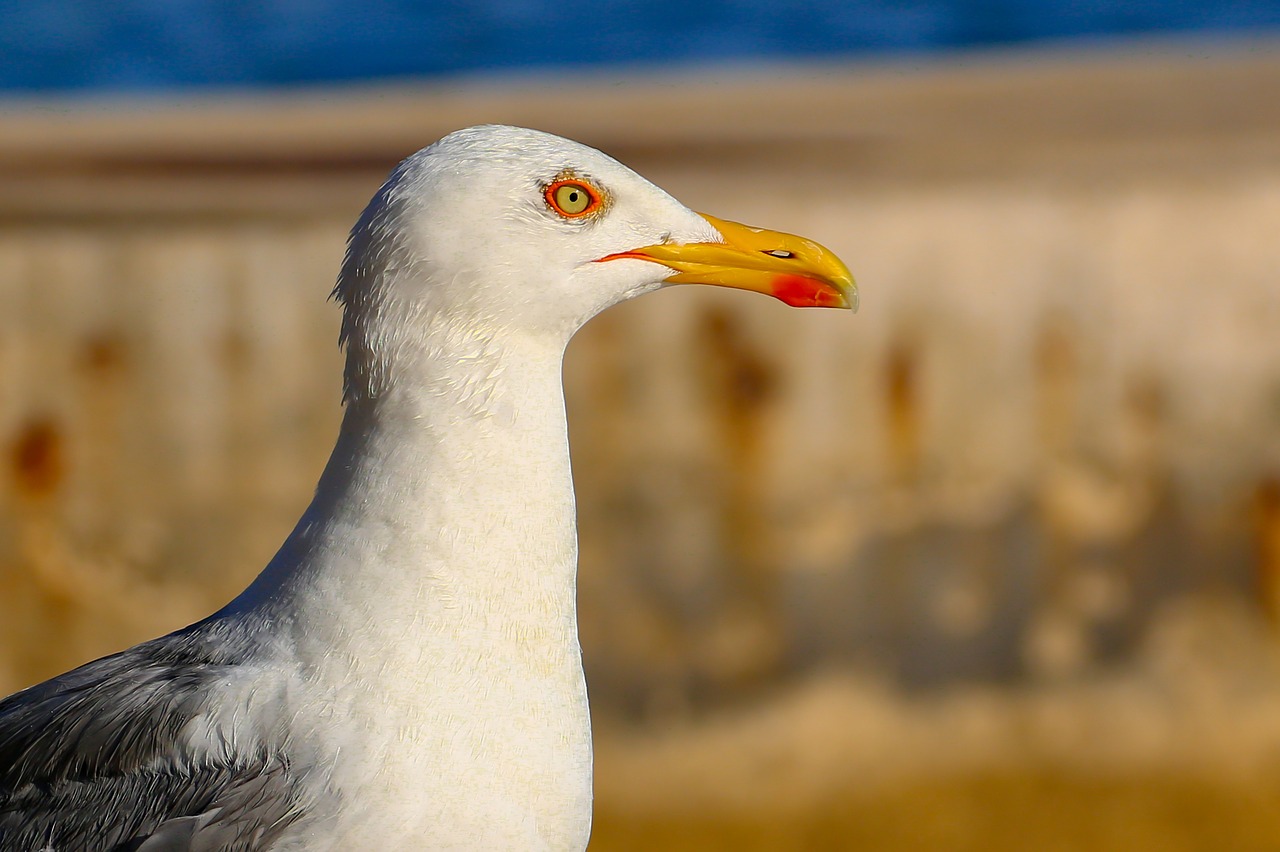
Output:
(780, 253)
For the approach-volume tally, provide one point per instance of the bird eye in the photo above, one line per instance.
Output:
(572, 198)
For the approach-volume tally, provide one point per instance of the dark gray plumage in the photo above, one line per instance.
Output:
(94, 759)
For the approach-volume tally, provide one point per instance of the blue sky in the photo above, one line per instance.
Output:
(157, 45)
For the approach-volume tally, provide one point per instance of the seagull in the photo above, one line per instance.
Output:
(405, 673)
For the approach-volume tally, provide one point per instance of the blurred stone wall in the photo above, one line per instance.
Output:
(1058, 410)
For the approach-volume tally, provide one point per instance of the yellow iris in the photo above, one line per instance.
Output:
(572, 198)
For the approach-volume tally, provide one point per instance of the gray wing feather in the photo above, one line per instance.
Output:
(247, 816)
(89, 760)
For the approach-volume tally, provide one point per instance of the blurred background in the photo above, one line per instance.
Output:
(994, 564)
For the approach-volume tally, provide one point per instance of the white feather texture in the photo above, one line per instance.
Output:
(422, 614)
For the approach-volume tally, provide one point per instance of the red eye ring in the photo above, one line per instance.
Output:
(560, 197)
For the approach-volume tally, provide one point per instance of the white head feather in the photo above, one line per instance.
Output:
(461, 240)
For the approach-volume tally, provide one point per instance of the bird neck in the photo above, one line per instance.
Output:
(445, 517)
(427, 598)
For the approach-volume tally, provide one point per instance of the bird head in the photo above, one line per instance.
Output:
(503, 227)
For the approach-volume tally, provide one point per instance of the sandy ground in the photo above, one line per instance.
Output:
(1179, 750)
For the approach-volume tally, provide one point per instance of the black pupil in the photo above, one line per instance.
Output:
(573, 196)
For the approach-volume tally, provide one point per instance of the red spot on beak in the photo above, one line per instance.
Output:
(801, 292)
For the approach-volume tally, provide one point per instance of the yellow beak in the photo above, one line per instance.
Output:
(800, 272)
